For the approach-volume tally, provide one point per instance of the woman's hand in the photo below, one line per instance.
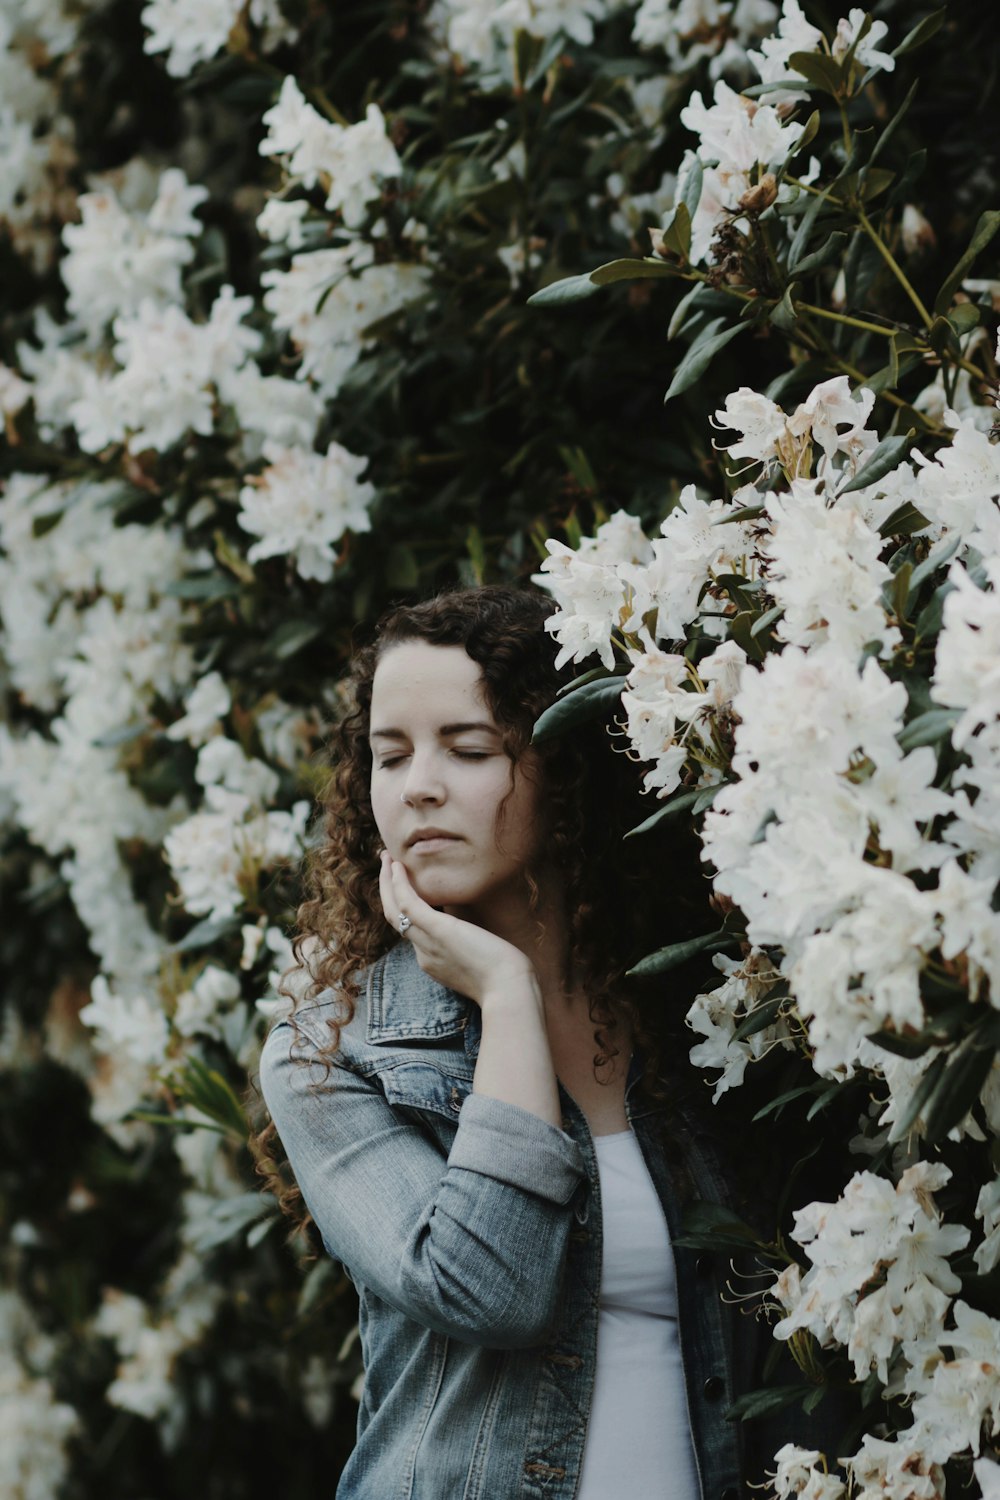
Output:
(457, 953)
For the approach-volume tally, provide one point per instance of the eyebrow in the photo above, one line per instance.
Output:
(445, 731)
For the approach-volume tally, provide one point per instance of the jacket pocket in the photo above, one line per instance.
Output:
(424, 1087)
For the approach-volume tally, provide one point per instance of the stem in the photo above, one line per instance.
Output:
(821, 312)
(894, 266)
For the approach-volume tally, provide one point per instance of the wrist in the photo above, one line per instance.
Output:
(516, 988)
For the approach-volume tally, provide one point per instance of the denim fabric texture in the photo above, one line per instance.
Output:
(471, 1229)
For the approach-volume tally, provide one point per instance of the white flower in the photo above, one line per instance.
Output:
(222, 762)
(988, 1210)
(716, 1014)
(825, 570)
(350, 161)
(760, 421)
(690, 30)
(355, 295)
(988, 1478)
(14, 392)
(198, 1008)
(894, 1470)
(479, 30)
(281, 221)
(118, 260)
(737, 135)
(216, 855)
(871, 1228)
(969, 924)
(797, 1474)
(170, 370)
(794, 34)
(192, 31)
(957, 488)
(303, 503)
(967, 664)
(204, 706)
(694, 547)
(132, 1024)
(867, 52)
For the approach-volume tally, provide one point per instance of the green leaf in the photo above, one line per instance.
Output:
(784, 314)
(291, 636)
(632, 270)
(943, 339)
(809, 133)
(828, 251)
(763, 1015)
(986, 228)
(766, 620)
(669, 809)
(594, 700)
(688, 302)
(922, 32)
(887, 456)
(918, 1099)
(677, 234)
(691, 195)
(679, 953)
(775, 1106)
(707, 1226)
(900, 590)
(211, 586)
(822, 71)
(797, 248)
(748, 513)
(209, 1092)
(963, 317)
(123, 735)
(569, 289)
(904, 521)
(930, 617)
(698, 358)
(766, 1402)
(204, 933)
(823, 1098)
(894, 124)
(931, 565)
(958, 1088)
(928, 728)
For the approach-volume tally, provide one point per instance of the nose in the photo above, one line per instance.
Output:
(422, 784)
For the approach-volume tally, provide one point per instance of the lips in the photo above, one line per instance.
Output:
(422, 835)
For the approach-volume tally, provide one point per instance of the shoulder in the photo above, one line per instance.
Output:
(396, 1005)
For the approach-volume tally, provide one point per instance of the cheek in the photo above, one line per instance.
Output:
(381, 804)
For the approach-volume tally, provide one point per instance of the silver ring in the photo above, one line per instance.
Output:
(405, 923)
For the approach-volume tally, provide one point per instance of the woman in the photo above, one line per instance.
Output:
(478, 1110)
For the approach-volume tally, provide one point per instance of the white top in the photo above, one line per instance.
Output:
(638, 1437)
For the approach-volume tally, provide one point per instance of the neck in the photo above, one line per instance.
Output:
(542, 935)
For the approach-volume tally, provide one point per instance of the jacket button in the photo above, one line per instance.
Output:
(703, 1265)
(713, 1387)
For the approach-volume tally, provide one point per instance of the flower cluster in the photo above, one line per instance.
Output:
(854, 832)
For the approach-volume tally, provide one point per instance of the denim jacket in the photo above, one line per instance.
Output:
(471, 1229)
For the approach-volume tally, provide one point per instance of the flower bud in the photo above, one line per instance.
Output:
(918, 233)
(756, 199)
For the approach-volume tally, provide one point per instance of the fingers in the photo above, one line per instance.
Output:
(399, 899)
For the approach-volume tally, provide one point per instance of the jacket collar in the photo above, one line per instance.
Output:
(407, 1005)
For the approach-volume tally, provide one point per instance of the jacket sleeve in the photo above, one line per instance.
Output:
(472, 1247)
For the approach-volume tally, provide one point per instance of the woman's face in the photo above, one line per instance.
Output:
(439, 775)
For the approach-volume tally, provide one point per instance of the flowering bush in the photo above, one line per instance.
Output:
(267, 360)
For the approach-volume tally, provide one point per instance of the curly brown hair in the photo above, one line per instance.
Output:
(623, 900)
